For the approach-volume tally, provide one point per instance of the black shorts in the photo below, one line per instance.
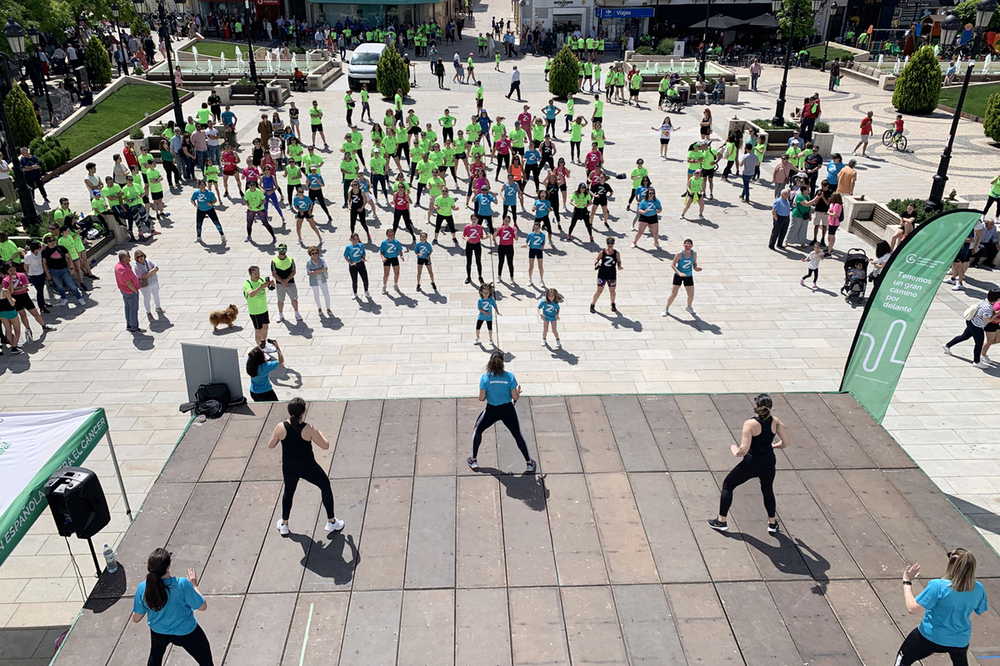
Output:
(601, 201)
(664, 142)
(23, 302)
(963, 255)
(460, 156)
(259, 321)
(992, 328)
(599, 119)
(832, 231)
(649, 219)
(686, 280)
(423, 262)
(302, 215)
(562, 188)
(156, 196)
(394, 261)
(318, 127)
(708, 173)
(534, 253)
(413, 130)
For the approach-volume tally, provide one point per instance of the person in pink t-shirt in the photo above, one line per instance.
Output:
(505, 237)
(473, 234)
(128, 284)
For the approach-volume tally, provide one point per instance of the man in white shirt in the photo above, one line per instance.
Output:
(6, 183)
(71, 54)
(515, 83)
(214, 143)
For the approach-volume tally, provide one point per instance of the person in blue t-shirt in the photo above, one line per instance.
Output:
(168, 604)
(947, 604)
(423, 250)
(487, 306)
(542, 207)
(204, 201)
(484, 207)
(391, 251)
(259, 367)
(548, 310)
(649, 207)
(303, 207)
(354, 255)
(499, 390)
(511, 195)
(535, 244)
(533, 163)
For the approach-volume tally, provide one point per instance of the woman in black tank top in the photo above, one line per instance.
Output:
(298, 462)
(607, 264)
(757, 450)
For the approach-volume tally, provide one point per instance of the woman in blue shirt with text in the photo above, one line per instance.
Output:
(499, 390)
(649, 208)
(391, 251)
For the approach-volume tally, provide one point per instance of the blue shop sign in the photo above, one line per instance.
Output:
(625, 12)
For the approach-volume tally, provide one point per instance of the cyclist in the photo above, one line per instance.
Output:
(897, 128)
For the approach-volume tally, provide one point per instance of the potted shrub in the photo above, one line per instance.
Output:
(138, 137)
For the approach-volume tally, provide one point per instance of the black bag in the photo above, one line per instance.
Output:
(210, 409)
(217, 392)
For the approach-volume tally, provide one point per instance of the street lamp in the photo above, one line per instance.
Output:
(776, 5)
(15, 40)
(35, 40)
(248, 27)
(949, 30)
(704, 42)
(140, 9)
(122, 65)
(826, 42)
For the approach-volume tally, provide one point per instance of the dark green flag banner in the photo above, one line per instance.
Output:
(897, 308)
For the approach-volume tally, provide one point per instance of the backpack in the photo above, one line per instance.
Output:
(211, 409)
(217, 392)
(970, 312)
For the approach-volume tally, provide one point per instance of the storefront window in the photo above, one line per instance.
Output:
(564, 25)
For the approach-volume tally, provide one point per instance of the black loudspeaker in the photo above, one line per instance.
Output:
(77, 502)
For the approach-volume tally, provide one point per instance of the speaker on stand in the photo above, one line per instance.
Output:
(78, 505)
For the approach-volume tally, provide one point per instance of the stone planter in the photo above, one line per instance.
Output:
(823, 141)
(856, 209)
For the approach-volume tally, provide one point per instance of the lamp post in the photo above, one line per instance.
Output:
(15, 40)
(776, 5)
(116, 13)
(35, 39)
(248, 18)
(704, 42)
(140, 7)
(949, 29)
(826, 30)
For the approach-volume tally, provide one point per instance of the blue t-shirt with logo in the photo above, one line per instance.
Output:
(536, 241)
(176, 618)
(833, 171)
(355, 253)
(649, 207)
(484, 203)
(542, 208)
(302, 203)
(685, 264)
(946, 615)
(390, 249)
(488, 305)
(549, 310)
(423, 250)
(550, 112)
(315, 181)
(497, 387)
(510, 194)
(228, 117)
(203, 199)
(532, 156)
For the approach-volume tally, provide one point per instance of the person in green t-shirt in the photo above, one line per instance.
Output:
(154, 187)
(365, 106)
(255, 291)
(255, 199)
(316, 123)
(635, 84)
(212, 175)
(576, 137)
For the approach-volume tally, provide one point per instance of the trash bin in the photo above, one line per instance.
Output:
(685, 94)
(81, 76)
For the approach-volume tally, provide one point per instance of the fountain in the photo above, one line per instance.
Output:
(194, 52)
(881, 58)
(308, 61)
(986, 63)
(269, 63)
(646, 68)
(672, 65)
(222, 62)
(211, 67)
(937, 50)
(239, 59)
(895, 69)
(294, 62)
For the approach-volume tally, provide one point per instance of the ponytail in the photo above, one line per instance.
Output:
(961, 570)
(762, 406)
(156, 591)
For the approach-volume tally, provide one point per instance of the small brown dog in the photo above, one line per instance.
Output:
(219, 317)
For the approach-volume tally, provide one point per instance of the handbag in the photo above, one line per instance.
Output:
(836, 81)
(970, 312)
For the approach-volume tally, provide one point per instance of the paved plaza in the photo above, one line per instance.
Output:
(604, 557)
(755, 330)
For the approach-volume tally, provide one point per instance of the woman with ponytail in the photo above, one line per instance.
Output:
(499, 390)
(757, 452)
(168, 604)
(947, 604)
(298, 462)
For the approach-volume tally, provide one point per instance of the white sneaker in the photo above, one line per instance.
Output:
(282, 528)
(666, 312)
(543, 342)
(950, 280)
(986, 359)
(280, 318)
(958, 287)
(947, 349)
(558, 344)
(81, 301)
(298, 317)
(689, 309)
(368, 296)
(334, 526)
(982, 366)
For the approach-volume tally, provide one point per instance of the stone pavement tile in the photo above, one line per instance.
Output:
(592, 626)
(872, 632)
(674, 548)
(674, 439)
(836, 440)
(709, 430)
(510, 460)
(385, 534)
(234, 557)
(219, 625)
(805, 452)
(698, 612)
(468, 411)
(436, 443)
(878, 444)
(199, 525)
(594, 434)
(20, 643)
(95, 633)
(190, 456)
(526, 532)
(357, 440)
(427, 628)
(272, 573)
(537, 626)
(371, 635)
(812, 624)
(331, 559)
(636, 443)
(647, 625)
(725, 554)
(577, 548)
(756, 624)
(430, 550)
(47, 590)
(261, 618)
(557, 448)
(397, 439)
(323, 615)
(479, 643)
(480, 552)
(623, 539)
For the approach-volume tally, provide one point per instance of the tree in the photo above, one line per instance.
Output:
(564, 76)
(21, 115)
(919, 86)
(96, 56)
(967, 12)
(805, 22)
(391, 73)
(991, 123)
(138, 28)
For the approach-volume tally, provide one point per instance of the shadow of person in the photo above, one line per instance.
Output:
(528, 488)
(326, 558)
(564, 356)
(818, 565)
(291, 379)
(784, 556)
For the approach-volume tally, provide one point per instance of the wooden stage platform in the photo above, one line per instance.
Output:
(604, 557)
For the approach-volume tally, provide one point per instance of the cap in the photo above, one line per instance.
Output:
(795, 142)
(96, 193)
(581, 185)
(282, 247)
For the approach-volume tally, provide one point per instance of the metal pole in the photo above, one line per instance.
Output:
(934, 201)
(29, 215)
(704, 42)
(178, 115)
(249, 29)
(118, 473)
(779, 111)
(93, 554)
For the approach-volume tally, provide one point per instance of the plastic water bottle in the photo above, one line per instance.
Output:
(109, 557)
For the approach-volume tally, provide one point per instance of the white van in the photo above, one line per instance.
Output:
(362, 66)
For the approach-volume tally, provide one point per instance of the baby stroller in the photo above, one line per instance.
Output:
(855, 275)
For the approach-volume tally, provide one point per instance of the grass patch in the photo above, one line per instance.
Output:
(217, 49)
(975, 99)
(816, 53)
(121, 110)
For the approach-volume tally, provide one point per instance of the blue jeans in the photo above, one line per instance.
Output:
(215, 153)
(753, 81)
(200, 155)
(745, 194)
(131, 310)
(63, 282)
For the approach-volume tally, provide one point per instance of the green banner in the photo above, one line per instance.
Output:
(897, 307)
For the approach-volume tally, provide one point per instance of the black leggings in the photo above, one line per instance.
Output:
(532, 171)
(814, 272)
(257, 215)
(506, 252)
(915, 647)
(39, 282)
(442, 219)
(491, 415)
(359, 216)
(448, 133)
(404, 151)
(376, 179)
(404, 215)
(574, 149)
(550, 125)
(356, 270)
(977, 335)
(309, 470)
(195, 644)
(173, 175)
(318, 198)
(473, 249)
(489, 325)
(742, 473)
(989, 202)
(503, 162)
(581, 214)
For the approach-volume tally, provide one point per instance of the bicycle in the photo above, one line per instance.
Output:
(899, 143)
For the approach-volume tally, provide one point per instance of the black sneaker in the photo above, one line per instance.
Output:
(593, 310)
(772, 528)
(719, 527)
(613, 308)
